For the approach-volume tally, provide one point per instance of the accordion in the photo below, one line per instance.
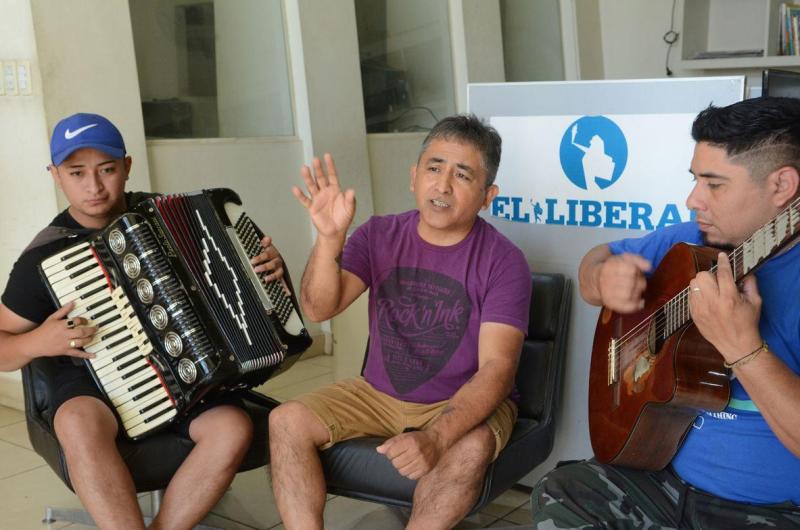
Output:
(178, 308)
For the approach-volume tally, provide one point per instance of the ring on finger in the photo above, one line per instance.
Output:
(73, 343)
(695, 289)
(70, 324)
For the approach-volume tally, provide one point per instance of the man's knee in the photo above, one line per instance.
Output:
(481, 441)
(84, 421)
(224, 425)
(475, 449)
(294, 422)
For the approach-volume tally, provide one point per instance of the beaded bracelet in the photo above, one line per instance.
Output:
(741, 361)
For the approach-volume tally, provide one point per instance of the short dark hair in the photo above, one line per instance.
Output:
(762, 134)
(469, 129)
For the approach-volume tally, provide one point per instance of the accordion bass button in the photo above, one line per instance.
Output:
(116, 240)
(131, 265)
(173, 344)
(187, 371)
(159, 317)
(145, 291)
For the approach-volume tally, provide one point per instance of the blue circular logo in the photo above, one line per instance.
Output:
(593, 152)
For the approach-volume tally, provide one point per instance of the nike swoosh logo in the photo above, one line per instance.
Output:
(69, 135)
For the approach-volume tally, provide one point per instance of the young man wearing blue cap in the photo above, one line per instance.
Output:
(90, 165)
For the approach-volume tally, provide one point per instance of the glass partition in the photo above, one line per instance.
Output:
(212, 68)
(406, 63)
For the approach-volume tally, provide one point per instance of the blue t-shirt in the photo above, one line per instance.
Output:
(427, 302)
(734, 454)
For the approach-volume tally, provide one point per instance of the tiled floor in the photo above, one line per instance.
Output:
(27, 485)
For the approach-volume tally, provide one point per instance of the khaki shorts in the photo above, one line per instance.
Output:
(353, 409)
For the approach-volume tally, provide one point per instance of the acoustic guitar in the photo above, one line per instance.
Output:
(651, 371)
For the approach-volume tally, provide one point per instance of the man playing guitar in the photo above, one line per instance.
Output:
(740, 466)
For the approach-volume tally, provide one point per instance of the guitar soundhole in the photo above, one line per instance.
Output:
(643, 362)
(655, 339)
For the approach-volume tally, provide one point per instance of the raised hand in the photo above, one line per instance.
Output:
(331, 209)
(268, 262)
(621, 282)
(61, 336)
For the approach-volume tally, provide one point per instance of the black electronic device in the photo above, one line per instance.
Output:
(780, 83)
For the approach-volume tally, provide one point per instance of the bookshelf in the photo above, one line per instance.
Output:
(726, 25)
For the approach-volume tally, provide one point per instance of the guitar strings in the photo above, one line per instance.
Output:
(735, 257)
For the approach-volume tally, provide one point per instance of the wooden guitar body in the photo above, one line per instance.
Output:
(646, 386)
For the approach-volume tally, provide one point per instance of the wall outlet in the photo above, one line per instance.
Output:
(24, 84)
(10, 78)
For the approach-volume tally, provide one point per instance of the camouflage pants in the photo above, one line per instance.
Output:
(593, 495)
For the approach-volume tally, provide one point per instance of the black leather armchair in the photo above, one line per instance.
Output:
(152, 460)
(354, 469)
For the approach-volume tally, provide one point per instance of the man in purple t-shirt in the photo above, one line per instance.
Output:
(448, 309)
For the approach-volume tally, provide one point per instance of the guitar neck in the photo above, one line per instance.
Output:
(759, 247)
(766, 241)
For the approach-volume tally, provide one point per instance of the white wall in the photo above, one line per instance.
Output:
(28, 200)
(622, 39)
(631, 38)
(532, 40)
(484, 41)
(588, 31)
(728, 15)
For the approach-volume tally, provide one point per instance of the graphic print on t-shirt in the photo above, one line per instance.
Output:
(422, 316)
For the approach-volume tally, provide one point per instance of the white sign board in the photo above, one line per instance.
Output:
(610, 171)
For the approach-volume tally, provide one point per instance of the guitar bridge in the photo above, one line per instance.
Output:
(613, 356)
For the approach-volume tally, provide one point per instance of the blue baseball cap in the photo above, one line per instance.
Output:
(85, 130)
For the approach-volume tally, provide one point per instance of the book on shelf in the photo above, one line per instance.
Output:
(726, 54)
(789, 33)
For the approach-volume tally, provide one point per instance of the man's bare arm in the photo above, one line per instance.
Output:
(588, 273)
(614, 281)
(21, 340)
(414, 454)
(499, 347)
(326, 290)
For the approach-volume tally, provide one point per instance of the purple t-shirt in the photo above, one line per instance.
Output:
(426, 302)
